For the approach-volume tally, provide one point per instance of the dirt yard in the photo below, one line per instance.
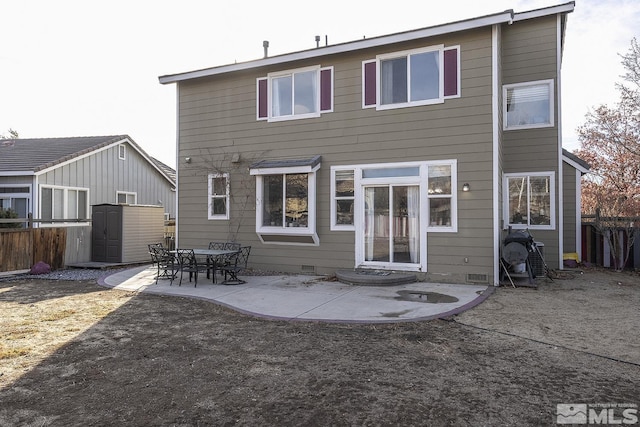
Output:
(76, 354)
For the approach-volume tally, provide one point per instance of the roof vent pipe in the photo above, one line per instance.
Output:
(326, 40)
(317, 41)
(265, 45)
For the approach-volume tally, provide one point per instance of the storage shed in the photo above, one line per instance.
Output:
(121, 233)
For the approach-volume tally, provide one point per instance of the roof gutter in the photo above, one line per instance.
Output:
(17, 173)
(552, 10)
(485, 21)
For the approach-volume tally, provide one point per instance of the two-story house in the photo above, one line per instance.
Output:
(413, 151)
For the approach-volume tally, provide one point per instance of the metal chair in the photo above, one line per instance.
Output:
(232, 246)
(216, 245)
(188, 262)
(163, 260)
(236, 263)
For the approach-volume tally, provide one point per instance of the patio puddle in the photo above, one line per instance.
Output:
(426, 297)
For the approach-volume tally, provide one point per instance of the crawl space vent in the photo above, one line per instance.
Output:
(477, 278)
(308, 268)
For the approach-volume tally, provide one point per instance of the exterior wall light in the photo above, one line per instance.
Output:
(466, 187)
(187, 159)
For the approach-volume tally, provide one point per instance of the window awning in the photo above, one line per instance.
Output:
(268, 167)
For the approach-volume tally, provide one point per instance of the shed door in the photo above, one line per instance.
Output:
(107, 234)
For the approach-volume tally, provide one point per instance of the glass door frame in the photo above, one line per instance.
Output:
(391, 182)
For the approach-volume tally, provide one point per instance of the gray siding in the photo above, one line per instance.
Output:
(569, 196)
(218, 119)
(529, 54)
(104, 174)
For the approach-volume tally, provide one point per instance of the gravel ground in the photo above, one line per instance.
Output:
(96, 273)
(66, 274)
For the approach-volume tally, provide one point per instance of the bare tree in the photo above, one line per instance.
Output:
(610, 143)
(242, 194)
(11, 134)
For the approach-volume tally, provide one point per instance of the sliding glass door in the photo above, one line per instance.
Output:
(392, 224)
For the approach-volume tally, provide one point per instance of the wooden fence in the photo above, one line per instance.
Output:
(595, 247)
(21, 248)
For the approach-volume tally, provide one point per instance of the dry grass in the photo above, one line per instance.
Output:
(30, 332)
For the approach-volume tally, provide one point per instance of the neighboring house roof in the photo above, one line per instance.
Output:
(27, 156)
(575, 161)
(168, 170)
(506, 17)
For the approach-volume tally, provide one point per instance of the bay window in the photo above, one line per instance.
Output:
(286, 200)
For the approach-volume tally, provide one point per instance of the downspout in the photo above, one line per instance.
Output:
(35, 201)
(495, 113)
(177, 163)
(560, 172)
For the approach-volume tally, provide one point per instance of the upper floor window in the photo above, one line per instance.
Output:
(410, 78)
(530, 200)
(528, 105)
(218, 188)
(295, 94)
(122, 152)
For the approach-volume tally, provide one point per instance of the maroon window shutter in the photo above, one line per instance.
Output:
(262, 99)
(326, 90)
(451, 71)
(369, 82)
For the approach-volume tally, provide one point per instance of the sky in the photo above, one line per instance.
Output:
(91, 68)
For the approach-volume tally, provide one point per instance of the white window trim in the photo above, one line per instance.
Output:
(310, 229)
(12, 196)
(453, 227)
(211, 196)
(128, 193)
(65, 202)
(122, 152)
(334, 199)
(291, 72)
(422, 181)
(407, 53)
(505, 88)
(505, 210)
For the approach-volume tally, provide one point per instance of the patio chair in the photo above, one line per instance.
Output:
(232, 246)
(152, 247)
(164, 262)
(223, 260)
(236, 263)
(216, 245)
(188, 262)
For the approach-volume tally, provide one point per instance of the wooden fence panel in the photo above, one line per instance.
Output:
(49, 245)
(15, 249)
(21, 248)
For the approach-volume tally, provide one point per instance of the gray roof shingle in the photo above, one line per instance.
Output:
(30, 155)
(35, 154)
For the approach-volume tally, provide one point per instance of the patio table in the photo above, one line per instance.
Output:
(211, 256)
